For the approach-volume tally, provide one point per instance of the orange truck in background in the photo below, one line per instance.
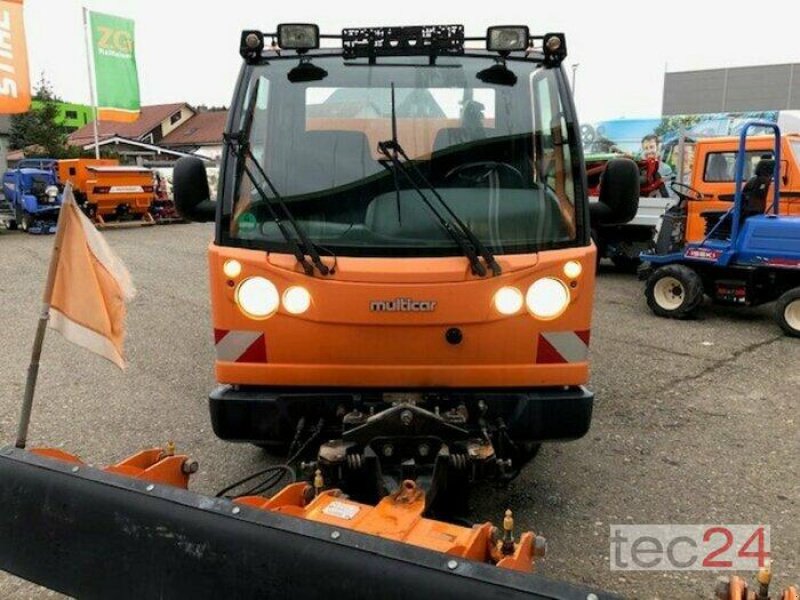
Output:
(712, 177)
(110, 193)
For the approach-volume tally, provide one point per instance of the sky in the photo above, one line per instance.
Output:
(187, 50)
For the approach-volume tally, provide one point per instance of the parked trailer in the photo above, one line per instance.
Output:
(111, 195)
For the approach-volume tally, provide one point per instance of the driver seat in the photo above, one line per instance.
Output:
(754, 192)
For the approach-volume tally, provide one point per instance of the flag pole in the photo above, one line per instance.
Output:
(92, 95)
(41, 328)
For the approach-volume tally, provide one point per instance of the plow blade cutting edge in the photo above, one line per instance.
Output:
(93, 534)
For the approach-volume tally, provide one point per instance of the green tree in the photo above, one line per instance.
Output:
(672, 124)
(37, 130)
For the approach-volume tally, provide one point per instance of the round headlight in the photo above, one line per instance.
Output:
(51, 191)
(296, 300)
(232, 269)
(508, 300)
(547, 298)
(573, 269)
(257, 297)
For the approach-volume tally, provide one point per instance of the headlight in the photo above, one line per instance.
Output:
(573, 269)
(296, 300)
(507, 38)
(257, 297)
(547, 298)
(298, 36)
(508, 300)
(51, 191)
(232, 268)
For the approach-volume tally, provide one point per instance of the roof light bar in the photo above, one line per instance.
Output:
(424, 40)
(507, 38)
(298, 36)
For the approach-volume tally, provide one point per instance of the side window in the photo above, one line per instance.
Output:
(720, 167)
(552, 154)
(554, 159)
(258, 131)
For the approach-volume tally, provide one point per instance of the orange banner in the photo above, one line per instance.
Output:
(15, 85)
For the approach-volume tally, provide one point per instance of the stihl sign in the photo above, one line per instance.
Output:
(15, 95)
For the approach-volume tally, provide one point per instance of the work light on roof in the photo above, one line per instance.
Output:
(251, 45)
(507, 38)
(252, 40)
(298, 36)
(553, 43)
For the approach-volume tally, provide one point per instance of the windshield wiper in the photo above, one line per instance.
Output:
(466, 239)
(241, 148)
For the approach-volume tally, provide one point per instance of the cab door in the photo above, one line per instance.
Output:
(713, 175)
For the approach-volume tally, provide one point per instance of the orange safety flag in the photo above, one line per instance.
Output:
(15, 84)
(90, 286)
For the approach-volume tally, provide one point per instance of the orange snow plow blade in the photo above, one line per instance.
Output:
(63, 521)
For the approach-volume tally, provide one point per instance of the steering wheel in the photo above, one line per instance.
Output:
(686, 192)
(478, 172)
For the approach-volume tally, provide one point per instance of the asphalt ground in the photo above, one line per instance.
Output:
(695, 422)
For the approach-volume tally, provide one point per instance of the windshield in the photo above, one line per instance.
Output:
(501, 156)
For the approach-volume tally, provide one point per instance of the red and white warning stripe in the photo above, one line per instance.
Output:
(240, 346)
(559, 347)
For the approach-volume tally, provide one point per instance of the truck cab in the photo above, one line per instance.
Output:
(713, 177)
(402, 270)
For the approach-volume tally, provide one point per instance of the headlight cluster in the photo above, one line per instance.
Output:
(547, 298)
(258, 298)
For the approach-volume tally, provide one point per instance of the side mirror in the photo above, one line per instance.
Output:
(190, 187)
(619, 194)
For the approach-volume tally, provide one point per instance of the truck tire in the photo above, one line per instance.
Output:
(674, 292)
(787, 312)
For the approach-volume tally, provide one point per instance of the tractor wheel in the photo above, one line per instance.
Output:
(674, 291)
(787, 312)
(13, 224)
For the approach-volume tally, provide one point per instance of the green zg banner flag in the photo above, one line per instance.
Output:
(115, 67)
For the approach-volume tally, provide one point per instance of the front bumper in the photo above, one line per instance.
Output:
(270, 415)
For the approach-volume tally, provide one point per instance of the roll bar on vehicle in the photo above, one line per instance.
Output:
(739, 172)
(419, 40)
(736, 210)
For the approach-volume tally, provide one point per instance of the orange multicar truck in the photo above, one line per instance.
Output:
(402, 276)
(110, 194)
(711, 184)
